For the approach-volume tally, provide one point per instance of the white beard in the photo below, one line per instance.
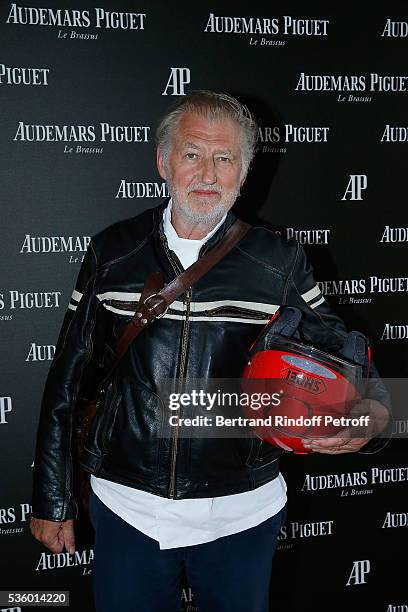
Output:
(210, 214)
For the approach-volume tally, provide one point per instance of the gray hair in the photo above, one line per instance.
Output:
(215, 106)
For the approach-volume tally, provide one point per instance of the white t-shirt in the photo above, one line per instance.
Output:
(185, 522)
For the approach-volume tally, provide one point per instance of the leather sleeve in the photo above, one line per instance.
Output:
(52, 497)
(323, 328)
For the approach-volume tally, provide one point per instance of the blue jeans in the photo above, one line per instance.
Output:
(130, 572)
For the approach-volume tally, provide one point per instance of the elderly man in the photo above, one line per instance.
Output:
(160, 507)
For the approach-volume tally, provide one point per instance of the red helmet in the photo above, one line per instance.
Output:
(315, 388)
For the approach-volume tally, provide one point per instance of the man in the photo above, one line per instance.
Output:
(209, 507)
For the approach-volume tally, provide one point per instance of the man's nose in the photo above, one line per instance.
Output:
(208, 174)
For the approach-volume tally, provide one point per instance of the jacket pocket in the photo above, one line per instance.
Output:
(131, 436)
(103, 422)
(235, 312)
(253, 453)
(267, 454)
(109, 423)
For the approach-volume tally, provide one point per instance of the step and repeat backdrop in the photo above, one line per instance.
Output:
(82, 87)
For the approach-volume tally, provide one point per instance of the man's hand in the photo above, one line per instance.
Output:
(353, 439)
(54, 534)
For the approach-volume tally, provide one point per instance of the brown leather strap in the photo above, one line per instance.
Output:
(156, 299)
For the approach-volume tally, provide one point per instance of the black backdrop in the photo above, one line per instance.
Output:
(330, 171)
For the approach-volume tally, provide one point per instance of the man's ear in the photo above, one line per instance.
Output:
(160, 163)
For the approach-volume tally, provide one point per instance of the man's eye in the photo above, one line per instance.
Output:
(223, 158)
(191, 155)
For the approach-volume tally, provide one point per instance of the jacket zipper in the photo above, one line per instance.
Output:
(177, 267)
(181, 374)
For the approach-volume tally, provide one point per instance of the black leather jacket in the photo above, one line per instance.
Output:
(207, 334)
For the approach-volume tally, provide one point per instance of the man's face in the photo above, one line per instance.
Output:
(203, 168)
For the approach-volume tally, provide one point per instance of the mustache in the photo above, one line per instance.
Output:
(204, 186)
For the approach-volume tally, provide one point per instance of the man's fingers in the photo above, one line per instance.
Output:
(354, 438)
(330, 442)
(330, 451)
(69, 536)
(343, 437)
(52, 542)
(335, 446)
(352, 447)
(54, 534)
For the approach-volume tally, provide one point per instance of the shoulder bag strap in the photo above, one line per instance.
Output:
(156, 298)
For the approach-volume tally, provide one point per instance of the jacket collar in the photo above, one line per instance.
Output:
(213, 240)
